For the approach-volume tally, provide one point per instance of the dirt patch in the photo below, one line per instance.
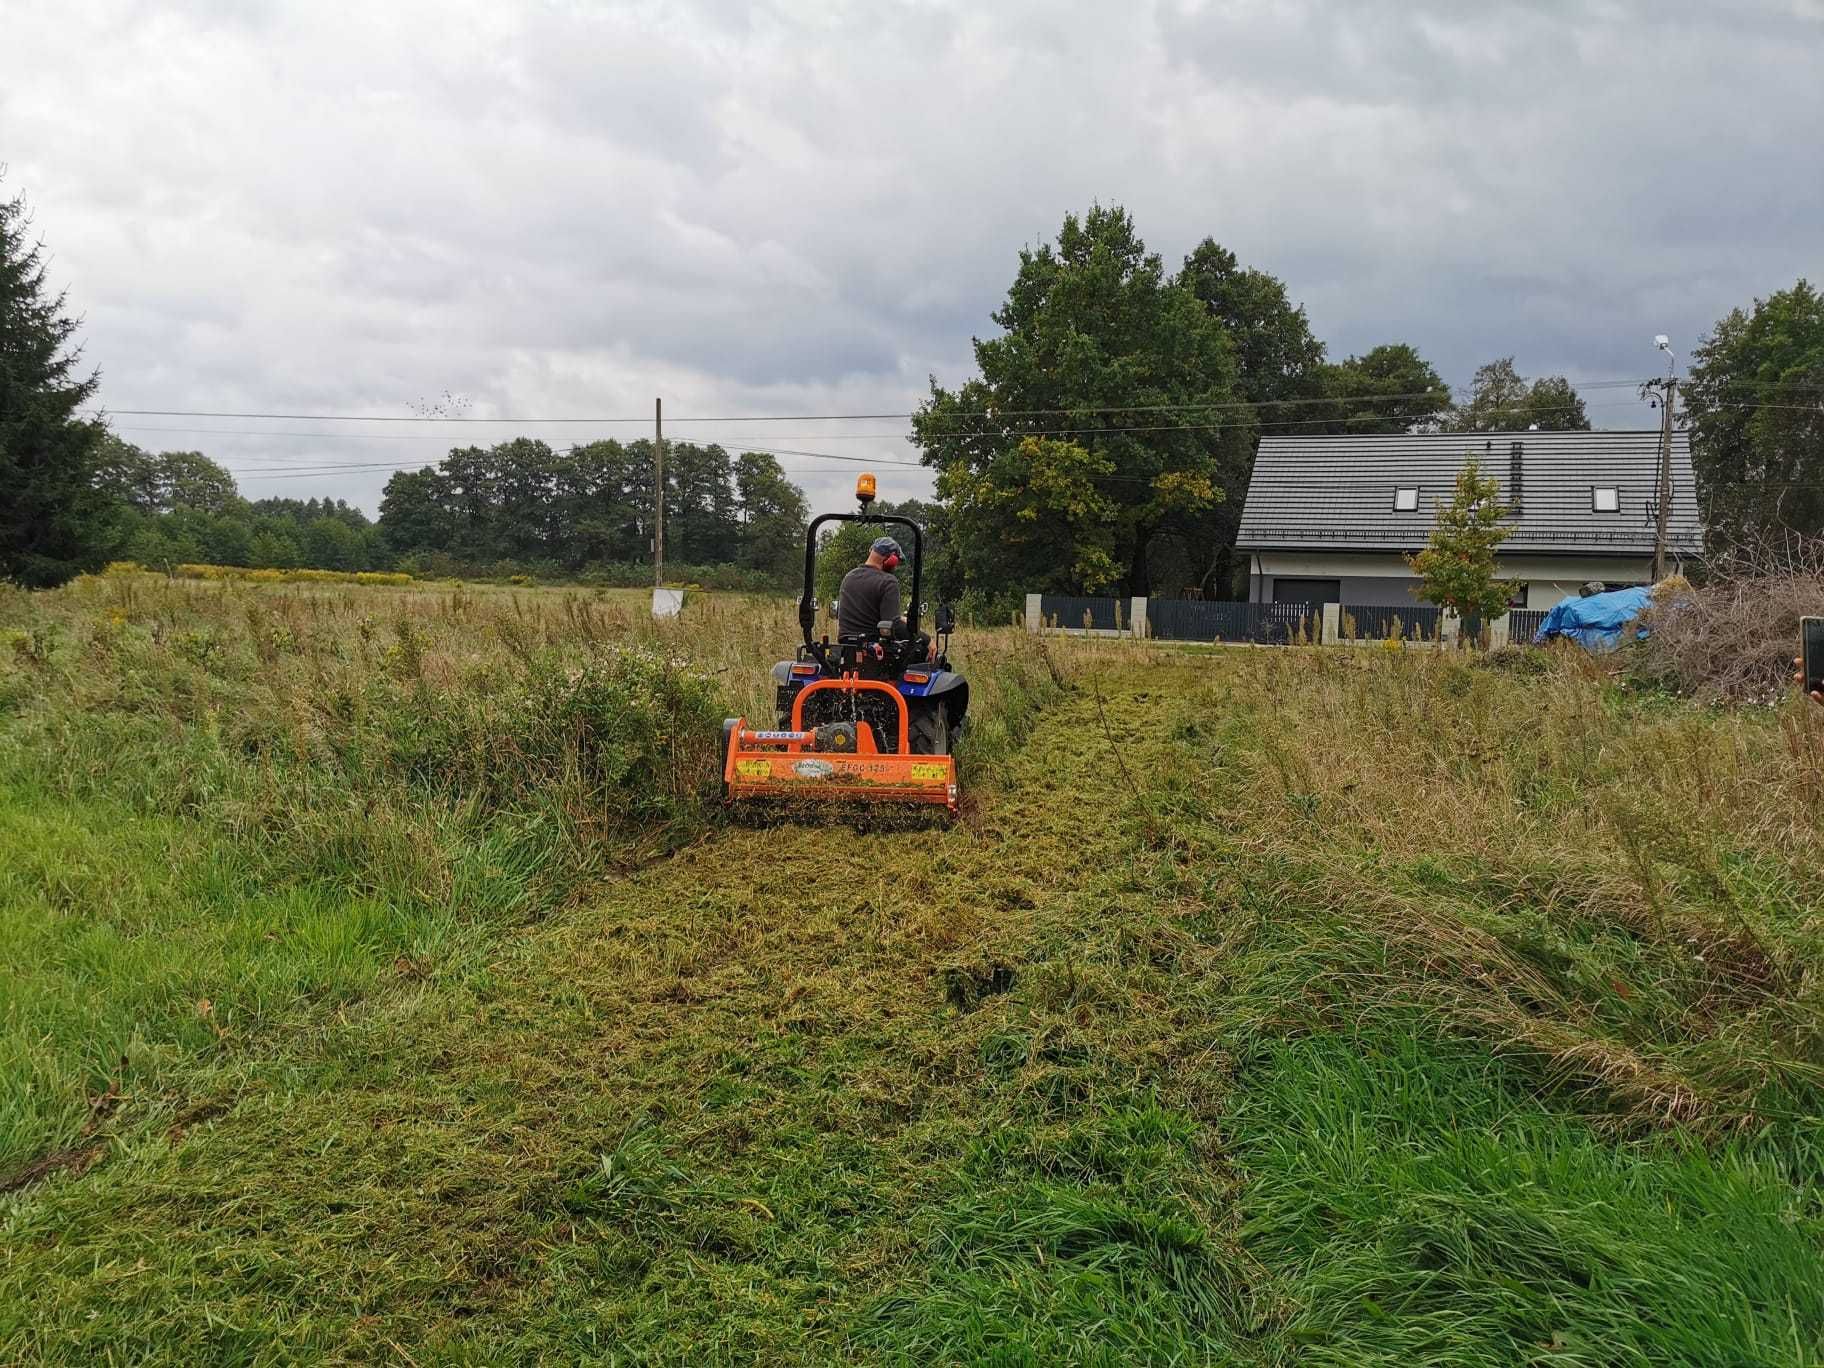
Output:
(80, 1157)
(76, 1160)
(198, 1115)
(967, 986)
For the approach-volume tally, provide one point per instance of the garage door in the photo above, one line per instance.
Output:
(1313, 591)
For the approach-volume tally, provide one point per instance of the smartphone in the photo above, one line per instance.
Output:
(1811, 651)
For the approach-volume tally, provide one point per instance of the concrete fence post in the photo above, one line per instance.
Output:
(1137, 618)
(1333, 625)
(1498, 632)
(1450, 629)
(1035, 619)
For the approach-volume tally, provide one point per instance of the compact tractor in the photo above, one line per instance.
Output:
(862, 718)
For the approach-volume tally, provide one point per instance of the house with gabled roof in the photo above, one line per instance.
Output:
(1332, 519)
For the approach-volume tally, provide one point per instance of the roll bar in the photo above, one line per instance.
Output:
(807, 604)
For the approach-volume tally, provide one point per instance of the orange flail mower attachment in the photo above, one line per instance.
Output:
(782, 764)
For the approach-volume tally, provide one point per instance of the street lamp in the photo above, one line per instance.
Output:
(1662, 501)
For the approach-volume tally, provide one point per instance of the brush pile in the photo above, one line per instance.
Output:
(1733, 640)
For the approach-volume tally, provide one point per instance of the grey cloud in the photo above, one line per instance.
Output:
(802, 207)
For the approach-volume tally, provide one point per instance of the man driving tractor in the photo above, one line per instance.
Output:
(873, 716)
(870, 592)
(869, 596)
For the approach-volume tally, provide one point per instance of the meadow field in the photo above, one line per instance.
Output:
(382, 980)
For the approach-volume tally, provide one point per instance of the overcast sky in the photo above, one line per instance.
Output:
(808, 208)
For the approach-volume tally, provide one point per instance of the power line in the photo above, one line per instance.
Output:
(885, 436)
(749, 418)
(326, 474)
(1210, 406)
(272, 469)
(323, 468)
(317, 468)
(1327, 420)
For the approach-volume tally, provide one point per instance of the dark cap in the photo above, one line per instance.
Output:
(886, 546)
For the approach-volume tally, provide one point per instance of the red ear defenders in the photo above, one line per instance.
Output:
(892, 561)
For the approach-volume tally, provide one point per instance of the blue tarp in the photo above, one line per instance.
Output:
(1595, 623)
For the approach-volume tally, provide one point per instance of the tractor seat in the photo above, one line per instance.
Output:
(860, 650)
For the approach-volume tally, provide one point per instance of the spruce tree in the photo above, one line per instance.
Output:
(54, 520)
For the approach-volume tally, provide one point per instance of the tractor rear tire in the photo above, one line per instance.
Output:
(930, 728)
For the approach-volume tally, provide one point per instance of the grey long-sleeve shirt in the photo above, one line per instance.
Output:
(869, 597)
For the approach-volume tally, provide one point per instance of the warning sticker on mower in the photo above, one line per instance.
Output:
(753, 769)
(927, 770)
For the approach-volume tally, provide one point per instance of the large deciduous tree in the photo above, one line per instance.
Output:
(181, 506)
(55, 521)
(1058, 528)
(1277, 360)
(773, 516)
(1136, 378)
(1390, 388)
(151, 484)
(1755, 403)
(1280, 372)
(1502, 400)
(415, 512)
(189, 479)
(702, 524)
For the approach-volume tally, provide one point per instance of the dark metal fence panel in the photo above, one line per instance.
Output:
(1274, 624)
(1066, 610)
(1410, 622)
(1522, 623)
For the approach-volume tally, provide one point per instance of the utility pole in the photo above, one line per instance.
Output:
(658, 493)
(1668, 399)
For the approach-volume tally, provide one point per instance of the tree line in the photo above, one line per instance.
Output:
(1105, 444)
(516, 507)
(521, 502)
(180, 507)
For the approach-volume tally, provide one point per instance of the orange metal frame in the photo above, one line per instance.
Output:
(780, 764)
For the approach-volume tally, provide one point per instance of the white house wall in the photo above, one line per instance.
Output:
(1384, 579)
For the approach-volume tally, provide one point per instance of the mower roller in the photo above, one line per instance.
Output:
(862, 719)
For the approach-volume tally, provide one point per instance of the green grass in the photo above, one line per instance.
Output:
(1274, 1007)
(154, 963)
(1426, 1206)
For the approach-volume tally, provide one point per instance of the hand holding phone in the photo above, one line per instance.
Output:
(1811, 656)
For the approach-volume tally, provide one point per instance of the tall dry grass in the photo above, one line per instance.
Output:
(1620, 887)
(175, 692)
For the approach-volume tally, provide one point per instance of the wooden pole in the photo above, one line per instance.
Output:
(1668, 395)
(658, 492)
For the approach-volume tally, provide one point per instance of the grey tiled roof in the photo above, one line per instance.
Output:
(1337, 493)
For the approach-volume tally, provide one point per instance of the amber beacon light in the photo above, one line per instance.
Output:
(865, 488)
